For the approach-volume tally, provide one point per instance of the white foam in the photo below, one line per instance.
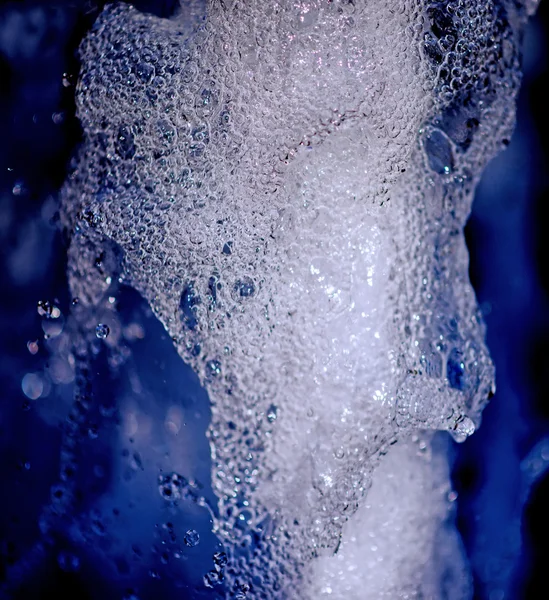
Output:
(289, 186)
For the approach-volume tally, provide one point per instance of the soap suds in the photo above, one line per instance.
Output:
(286, 183)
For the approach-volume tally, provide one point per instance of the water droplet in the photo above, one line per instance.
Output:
(438, 150)
(102, 331)
(191, 538)
(463, 428)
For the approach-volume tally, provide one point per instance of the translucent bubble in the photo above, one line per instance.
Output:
(191, 538)
(220, 559)
(439, 152)
(172, 487)
(213, 578)
(102, 331)
(244, 288)
(463, 428)
(32, 385)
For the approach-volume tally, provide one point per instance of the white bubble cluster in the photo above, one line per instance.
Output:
(286, 182)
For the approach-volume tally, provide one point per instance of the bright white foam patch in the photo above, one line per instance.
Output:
(288, 186)
(401, 541)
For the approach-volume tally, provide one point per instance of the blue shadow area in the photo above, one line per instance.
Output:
(493, 471)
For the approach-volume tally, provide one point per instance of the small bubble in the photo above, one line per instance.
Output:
(68, 80)
(244, 288)
(19, 189)
(463, 428)
(225, 117)
(272, 413)
(243, 590)
(213, 578)
(188, 305)
(172, 486)
(32, 386)
(191, 538)
(102, 331)
(145, 71)
(93, 219)
(214, 368)
(220, 560)
(124, 143)
(339, 453)
(45, 308)
(439, 152)
(166, 130)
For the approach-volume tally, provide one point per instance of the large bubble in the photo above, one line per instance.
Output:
(286, 184)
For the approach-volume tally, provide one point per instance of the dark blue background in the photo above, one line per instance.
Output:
(499, 473)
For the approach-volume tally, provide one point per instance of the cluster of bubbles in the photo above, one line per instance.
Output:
(286, 184)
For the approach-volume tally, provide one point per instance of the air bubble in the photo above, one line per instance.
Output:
(191, 538)
(213, 368)
(220, 560)
(190, 300)
(438, 150)
(272, 413)
(463, 428)
(172, 487)
(102, 331)
(244, 288)
(124, 144)
(213, 578)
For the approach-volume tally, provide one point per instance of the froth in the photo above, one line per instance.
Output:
(287, 183)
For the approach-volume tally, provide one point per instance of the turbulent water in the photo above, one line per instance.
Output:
(286, 184)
